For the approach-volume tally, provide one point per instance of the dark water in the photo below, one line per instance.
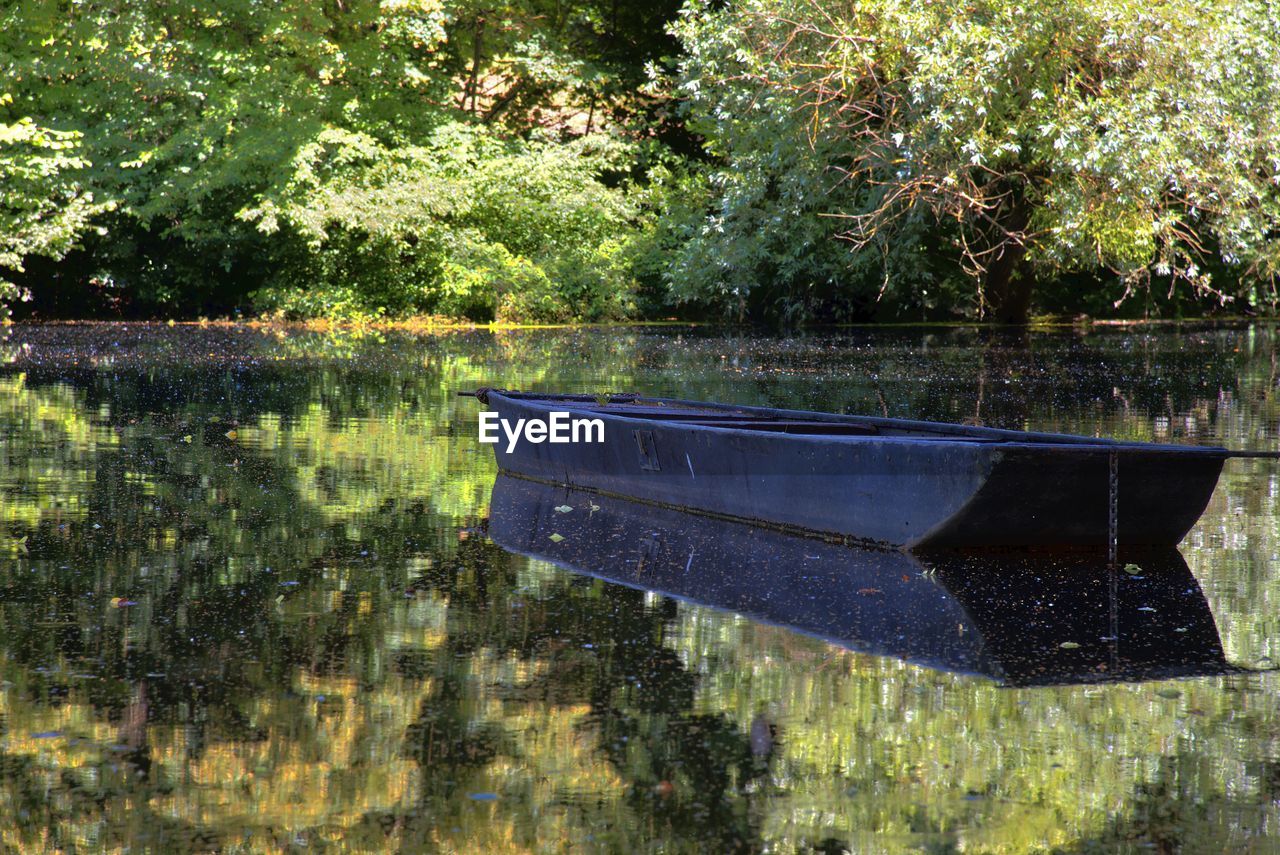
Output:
(253, 599)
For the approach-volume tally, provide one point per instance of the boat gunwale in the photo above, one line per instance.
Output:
(943, 432)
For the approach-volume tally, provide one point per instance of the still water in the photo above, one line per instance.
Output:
(259, 594)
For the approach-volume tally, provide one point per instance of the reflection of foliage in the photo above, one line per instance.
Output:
(52, 443)
(1179, 809)
(279, 633)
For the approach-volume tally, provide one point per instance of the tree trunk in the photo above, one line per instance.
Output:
(473, 82)
(1008, 287)
(1008, 282)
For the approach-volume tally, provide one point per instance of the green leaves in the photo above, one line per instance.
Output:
(315, 153)
(466, 224)
(1108, 137)
(185, 116)
(44, 208)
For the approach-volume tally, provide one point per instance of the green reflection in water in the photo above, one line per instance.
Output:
(248, 604)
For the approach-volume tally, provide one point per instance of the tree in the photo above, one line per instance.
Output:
(43, 208)
(572, 67)
(1039, 139)
(188, 115)
(363, 156)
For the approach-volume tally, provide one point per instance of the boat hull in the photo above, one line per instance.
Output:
(967, 490)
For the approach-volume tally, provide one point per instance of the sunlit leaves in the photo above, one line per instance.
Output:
(318, 153)
(43, 208)
(1083, 136)
(466, 224)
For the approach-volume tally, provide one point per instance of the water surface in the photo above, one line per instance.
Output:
(251, 603)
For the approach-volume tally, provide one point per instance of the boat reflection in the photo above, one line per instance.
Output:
(1022, 621)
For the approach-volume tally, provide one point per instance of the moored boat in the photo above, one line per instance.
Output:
(911, 484)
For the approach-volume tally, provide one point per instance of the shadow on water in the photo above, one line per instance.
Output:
(1022, 621)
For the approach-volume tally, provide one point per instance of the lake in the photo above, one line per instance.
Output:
(255, 599)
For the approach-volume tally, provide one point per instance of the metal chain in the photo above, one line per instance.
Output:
(1113, 507)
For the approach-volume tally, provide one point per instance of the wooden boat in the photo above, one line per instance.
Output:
(911, 484)
(1016, 619)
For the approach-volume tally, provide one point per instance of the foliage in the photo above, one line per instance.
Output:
(466, 225)
(187, 114)
(43, 210)
(570, 68)
(1038, 140)
(318, 153)
(533, 160)
(753, 235)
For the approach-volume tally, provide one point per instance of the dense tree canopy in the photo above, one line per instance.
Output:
(42, 211)
(524, 159)
(346, 158)
(1135, 137)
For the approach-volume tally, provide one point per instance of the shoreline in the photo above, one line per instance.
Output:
(447, 325)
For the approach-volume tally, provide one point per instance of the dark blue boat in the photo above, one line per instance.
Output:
(912, 484)
(1016, 619)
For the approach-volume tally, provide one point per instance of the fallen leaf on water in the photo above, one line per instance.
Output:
(563, 509)
(1132, 569)
(1169, 693)
(187, 438)
(232, 434)
(556, 538)
(1068, 645)
(866, 592)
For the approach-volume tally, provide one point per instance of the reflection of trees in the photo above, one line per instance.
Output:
(1001, 398)
(300, 646)
(1179, 808)
(595, 648)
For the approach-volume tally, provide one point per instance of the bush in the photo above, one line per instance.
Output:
(1119, 141)
(468, 226)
